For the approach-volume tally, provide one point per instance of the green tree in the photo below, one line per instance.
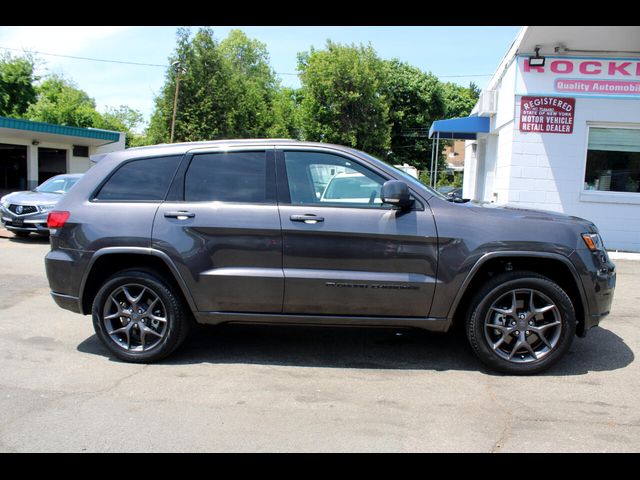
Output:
(60, 101)
(123, 119)
(415, 101)
(286, 114)
(343, 97)
(17, 89)
(459, 100)
(227, 91)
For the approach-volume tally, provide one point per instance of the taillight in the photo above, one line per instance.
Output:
(57, 219)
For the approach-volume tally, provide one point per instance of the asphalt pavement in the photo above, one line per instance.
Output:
(275, 389)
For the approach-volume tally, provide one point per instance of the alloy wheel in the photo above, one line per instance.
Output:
(135, 318)
(523, 325)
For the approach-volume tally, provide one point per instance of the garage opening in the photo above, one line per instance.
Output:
(13, 168)
(51, 162)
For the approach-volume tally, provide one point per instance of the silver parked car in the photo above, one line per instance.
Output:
(26, 211)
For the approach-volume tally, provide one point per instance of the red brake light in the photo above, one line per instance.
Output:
(57, 219)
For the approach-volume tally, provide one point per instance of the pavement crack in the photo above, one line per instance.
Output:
(505, 434)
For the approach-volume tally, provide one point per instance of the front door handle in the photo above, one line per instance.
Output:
(308, 218)
(179, 214)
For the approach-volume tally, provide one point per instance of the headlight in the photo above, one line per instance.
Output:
(4, 201)
(46, 208)
(594, 241)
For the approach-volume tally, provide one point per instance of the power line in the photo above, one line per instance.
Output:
(86, 58)
(167, 66)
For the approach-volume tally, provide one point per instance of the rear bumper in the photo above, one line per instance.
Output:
(67, 302)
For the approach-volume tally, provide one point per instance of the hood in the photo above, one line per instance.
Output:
(511, 212)
(29, 197)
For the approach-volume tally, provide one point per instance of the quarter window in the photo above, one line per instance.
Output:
(236, 177)
(613, 160)
(140, 180)
(329, 180)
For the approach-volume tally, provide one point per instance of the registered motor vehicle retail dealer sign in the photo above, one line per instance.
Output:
(547, 114)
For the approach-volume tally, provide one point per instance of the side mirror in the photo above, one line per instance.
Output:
(396, 193)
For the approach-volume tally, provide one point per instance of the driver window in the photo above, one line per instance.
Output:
(330, 180)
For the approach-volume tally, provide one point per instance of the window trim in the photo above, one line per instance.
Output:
(284, 197)
(177, 192)
(93, 197)
(605, 196)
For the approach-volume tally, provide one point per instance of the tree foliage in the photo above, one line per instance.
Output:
(227, 91)
(343, 97)
(17, 89)
(60, 101)
(415, 101)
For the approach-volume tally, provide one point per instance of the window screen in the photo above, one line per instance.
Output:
(237, 177)
(143, 180)
(613, 160)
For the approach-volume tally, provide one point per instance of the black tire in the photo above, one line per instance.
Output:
(486, 323)
(175, 328)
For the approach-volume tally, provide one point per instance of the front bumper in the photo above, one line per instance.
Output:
(599, 282)
(35, 222)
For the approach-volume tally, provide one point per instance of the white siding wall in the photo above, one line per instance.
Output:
(547, 172)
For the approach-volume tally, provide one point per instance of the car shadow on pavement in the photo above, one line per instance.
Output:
(366, 348)
(31, 239)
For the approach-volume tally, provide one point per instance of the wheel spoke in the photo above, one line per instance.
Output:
(151, 331)
(504, 329)
(516, 347)
(142, 331)
(536, 311)
(157, 319)
(526, 345)
(500, 341)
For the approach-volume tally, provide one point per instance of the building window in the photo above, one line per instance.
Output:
(613, 160)
(80, 151)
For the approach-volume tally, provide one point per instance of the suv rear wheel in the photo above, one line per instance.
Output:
(139, 317)
(521, 323)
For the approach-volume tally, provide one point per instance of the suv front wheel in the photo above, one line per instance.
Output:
(138, 317)
(521, 323)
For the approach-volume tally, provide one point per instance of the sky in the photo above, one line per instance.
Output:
(457, 54)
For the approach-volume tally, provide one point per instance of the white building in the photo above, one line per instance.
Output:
(31, 152)
(564, 136)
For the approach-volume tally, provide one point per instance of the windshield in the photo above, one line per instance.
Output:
(57, 185)
(408, 178)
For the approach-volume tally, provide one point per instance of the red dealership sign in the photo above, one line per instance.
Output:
(547, 114)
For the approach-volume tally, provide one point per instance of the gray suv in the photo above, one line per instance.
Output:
(152, 240)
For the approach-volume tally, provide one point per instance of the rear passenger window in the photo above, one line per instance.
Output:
(147, 179)
(236, 177)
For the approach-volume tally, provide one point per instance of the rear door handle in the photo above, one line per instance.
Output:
(179, 214)
(308, 218)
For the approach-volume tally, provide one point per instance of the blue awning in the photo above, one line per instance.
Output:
(465, 128)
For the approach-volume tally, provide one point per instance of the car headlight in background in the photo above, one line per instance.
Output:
(46, 208)
(594, 241)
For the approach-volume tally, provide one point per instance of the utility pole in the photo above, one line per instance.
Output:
(180, 70)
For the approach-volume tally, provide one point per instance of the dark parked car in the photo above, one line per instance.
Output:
(153, 239)
(450, 191)
(26, 212)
